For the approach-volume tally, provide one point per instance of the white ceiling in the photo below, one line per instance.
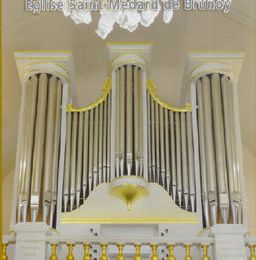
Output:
(189, 31)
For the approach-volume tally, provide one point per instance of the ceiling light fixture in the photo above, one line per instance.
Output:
(128, 14)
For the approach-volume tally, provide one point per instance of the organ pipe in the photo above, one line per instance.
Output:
(203, 169)
(51, 113)
(220, 147)
(91, 140)
(162, 150)
(100, 166)
(184, 159)
(95, 147)
(56, 148)
(167, 151)
(79, 159)
(209, 147)
(38, 147)
(85, 153)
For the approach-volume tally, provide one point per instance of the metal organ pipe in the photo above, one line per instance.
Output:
(51, 113)
(85, 153)
(217, 148)
(39, 148)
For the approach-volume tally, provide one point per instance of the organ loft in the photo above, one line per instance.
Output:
(129, 176)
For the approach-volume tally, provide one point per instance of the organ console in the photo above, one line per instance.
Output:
(128, 131)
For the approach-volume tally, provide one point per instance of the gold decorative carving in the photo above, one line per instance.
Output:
(205, 253)
(105, 91)
(129, 189)
(87, 252)
(104, 252)
(54, 252)
(171, 255)
(187, 252)
(120, 252)
(154, 250)
(137, 254)
(4, 253)
(70, 255)
(252, 250)
(152, 91)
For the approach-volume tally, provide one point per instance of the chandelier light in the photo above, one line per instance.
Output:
(128, 14)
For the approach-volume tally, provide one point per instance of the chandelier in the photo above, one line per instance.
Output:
(128, 14)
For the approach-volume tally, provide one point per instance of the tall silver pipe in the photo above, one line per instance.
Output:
(109, 138)
(100, 159)
(85, 152)
(38, 147)
(178, 156)
(28, 139)
(184, 159)
(129, 119)
(117, 137)
(137, 121)
(122, 118)
(49, 141)
(167, 151)
(191, 171)
(95, 147)
(162, 146)
(91, 142)
(104, 155)
(153, 141)
(67, 161)
(56, 147)
(202, 152)
(173, 157)
(209, 148)
(73, 160)
(220, 148)
(79, 158)
(149, 139)
(157, 142)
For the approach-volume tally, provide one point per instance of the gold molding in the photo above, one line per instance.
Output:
(105, 91)
(152, 91)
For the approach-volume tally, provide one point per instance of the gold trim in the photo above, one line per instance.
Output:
(105, 91)
(152, 91)
(129, 220)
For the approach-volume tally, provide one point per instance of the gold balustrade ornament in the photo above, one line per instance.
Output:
(137, 252)
(171, 255)
(87, 252)
(252, 250)
(104, 252)
(187, 252)
(54, 252)
(70, 255)
(4, 253)
(154, 255)
(120, 252)
(205, 253)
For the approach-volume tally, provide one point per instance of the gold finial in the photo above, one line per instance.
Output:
(252, 250)
(4, 254)
(120, 252)
(87, 252)
(54, 252)
(137, 255)
(70, 255)
(187, 251)
(171, 255)
(154, 255)
(205, 253)
(104, 252)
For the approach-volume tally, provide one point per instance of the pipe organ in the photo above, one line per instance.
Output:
(87, 151)
(65, 154)
(39, 148)
(219, 168)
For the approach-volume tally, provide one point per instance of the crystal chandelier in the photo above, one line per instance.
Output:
(128, 14)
